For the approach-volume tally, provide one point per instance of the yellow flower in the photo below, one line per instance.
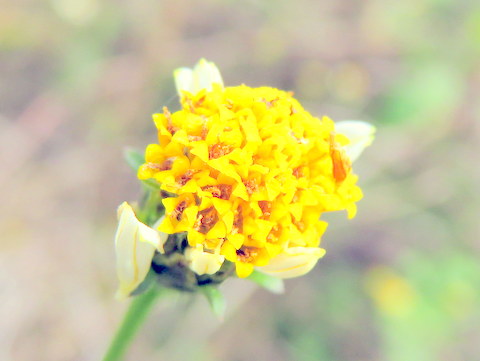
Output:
(250, 173)
(392, 293)
(135, 244)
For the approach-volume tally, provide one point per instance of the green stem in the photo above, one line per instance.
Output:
(133, 319)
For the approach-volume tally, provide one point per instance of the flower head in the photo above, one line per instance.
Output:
(248, 173)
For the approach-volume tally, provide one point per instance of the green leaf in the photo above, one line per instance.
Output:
(215, 299)
(134, 158)
(273, 284)
(151, 184)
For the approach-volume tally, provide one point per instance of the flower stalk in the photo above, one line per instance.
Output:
(133, 319)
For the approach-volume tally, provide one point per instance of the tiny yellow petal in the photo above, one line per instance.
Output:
(243, 269)
(229, 251)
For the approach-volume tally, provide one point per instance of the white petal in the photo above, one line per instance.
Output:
(293, 262)
(202, 76)
(202, 262)
(361, 135)
(183, 80)
(152, 235)
(206, 74)
(135, 245)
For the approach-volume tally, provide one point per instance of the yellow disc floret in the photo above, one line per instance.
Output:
(250, 173)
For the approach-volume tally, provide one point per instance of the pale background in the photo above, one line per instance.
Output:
(79, 80)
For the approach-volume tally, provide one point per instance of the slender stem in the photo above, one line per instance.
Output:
(133, 319)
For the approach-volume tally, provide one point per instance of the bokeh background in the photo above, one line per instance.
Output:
(79, 80)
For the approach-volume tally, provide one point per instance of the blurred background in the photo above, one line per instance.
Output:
(79, 80)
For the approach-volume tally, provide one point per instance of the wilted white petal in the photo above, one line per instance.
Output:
(202, 262)
(361, 135)
(203, 76)
(135, 244)
(293, 262)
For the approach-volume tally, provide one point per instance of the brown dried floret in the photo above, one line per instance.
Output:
(186, 177)
(300, 225)
(251, 186)
(170, 127)
(178, 211)
(166, 165)
(246, 254)
(341, 163)
(206, 219)
(218, 150)
(297, 172)
(266, 208)
(274, 234)
(221, 191)
(238, 221)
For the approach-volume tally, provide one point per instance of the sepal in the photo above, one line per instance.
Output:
(270, 283)
(215, 299)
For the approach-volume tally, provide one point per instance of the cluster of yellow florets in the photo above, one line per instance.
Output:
(251, 173)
